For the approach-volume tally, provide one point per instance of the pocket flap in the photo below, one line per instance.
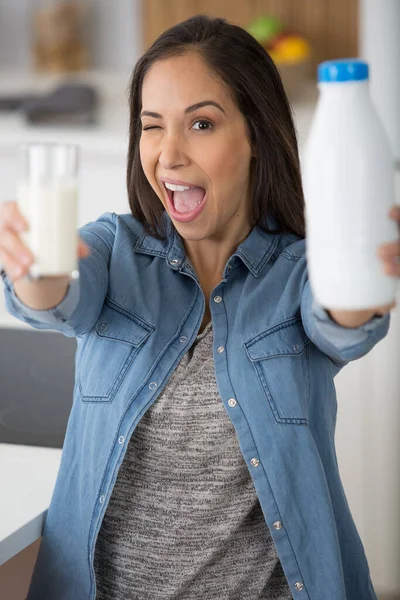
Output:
(117, 325)
(286, 339)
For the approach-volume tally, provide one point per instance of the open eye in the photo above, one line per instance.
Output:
(204, 121)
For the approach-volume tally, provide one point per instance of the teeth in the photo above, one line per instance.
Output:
(176, 188)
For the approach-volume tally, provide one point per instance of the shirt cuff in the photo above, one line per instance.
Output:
(323, 316)
(341, 344)
(52, 316)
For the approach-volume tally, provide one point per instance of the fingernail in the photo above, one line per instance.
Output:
(396, 211)
(382, 252)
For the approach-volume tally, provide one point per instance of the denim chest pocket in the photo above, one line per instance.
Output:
(108, 352)
(280, 357)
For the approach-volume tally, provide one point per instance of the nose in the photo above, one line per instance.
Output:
(172, 155)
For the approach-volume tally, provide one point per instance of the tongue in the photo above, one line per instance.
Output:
(187, 201)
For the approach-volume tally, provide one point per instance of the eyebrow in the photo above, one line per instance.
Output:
(189, 109)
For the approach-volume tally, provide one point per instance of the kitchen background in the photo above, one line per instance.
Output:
(93, 45)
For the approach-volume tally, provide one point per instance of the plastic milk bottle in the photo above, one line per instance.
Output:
(348, 179)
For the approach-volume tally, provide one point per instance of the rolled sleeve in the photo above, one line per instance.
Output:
(80, 308)
(341, 344)
(54, 318)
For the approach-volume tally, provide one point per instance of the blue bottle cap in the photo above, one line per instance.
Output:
(346, 69)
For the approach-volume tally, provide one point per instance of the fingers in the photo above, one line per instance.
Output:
(392, 270)
(11, 217)
(15, 266)
(15, 257)
(12, 266)
(390, 257)
(83, 249)
(394, 212)
(390, 253)
(11, 243)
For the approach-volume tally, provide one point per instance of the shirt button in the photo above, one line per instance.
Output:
(299, 586)
(255, 462)
(121, 439)
(103, 327)
(174, 262)
(278, 525)
(102, 498)
(220, 349)
(183, 339)
(232, 402)
(217, 299)
(153, 385)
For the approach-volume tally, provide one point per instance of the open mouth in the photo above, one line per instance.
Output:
(186, 201)
(187, 204)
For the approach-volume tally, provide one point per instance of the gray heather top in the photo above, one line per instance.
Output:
(184, 521)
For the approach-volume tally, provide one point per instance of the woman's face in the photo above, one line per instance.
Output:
(206, 147)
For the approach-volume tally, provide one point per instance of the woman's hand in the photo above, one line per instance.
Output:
(15, 257)
(390, 257)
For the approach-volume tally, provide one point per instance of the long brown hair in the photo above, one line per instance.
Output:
(256, 88)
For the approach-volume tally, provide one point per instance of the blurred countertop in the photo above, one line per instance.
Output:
(110, 133)
(27, 475)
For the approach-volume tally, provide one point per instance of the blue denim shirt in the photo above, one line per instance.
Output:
(135, 310)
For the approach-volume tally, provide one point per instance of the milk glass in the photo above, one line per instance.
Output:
(47, 196)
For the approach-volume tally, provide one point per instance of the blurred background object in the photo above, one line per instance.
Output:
(298, 34)
(109, 30)
(58, 45)
(289, 50)
(68, 104)
(66, 62)
(330, 25)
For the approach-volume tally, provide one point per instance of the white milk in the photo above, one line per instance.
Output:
(51, 210)
(348, 179)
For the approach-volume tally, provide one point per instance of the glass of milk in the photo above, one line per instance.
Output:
(47, 196)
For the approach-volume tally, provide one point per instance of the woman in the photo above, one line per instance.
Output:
(199, 458)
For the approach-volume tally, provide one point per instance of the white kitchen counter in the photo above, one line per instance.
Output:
(27, 475)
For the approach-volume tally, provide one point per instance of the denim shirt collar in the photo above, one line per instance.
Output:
(254, 251)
